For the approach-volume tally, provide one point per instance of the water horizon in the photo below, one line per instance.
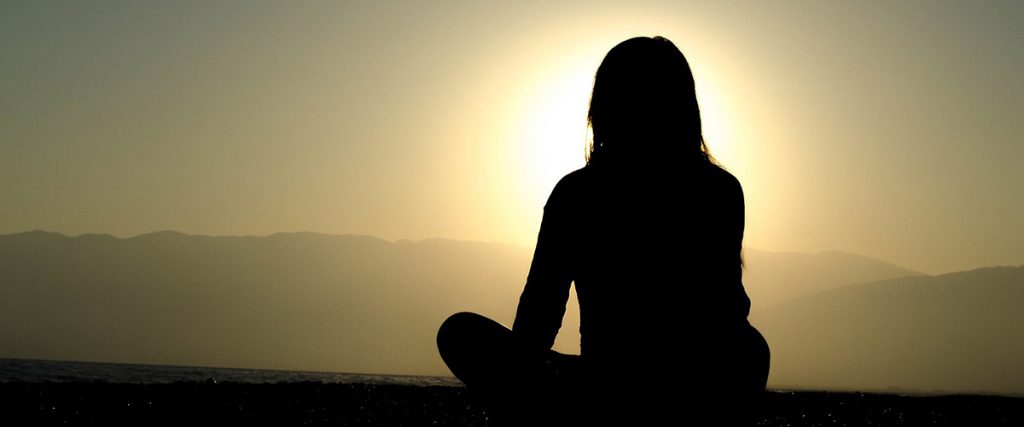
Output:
(47, 370)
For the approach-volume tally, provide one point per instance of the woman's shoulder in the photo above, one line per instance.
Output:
(575, 178)
(727, 191)
(577, 182)
(569, 186)
(723, 180)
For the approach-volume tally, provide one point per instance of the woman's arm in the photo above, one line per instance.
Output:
(542, 303)
(736, 217)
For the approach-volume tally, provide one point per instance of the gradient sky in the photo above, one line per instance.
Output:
(889, 129)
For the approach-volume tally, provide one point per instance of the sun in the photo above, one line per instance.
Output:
(555, 131)
(550, 125)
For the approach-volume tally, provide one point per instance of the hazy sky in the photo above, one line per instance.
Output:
(889, 129)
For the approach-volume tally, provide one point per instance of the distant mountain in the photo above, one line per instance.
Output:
(961, 332)
(773, 277)
(290, 301)
(310, 301)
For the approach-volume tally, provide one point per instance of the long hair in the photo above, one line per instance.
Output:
(644, 107)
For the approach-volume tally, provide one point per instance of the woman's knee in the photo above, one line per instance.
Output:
(761, 355)
(451, 329)
(463, 329)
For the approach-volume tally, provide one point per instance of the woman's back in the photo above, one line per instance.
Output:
(655, 256)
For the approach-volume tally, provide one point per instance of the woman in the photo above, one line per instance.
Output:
(650, 231)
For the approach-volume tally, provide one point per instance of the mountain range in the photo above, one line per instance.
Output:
(308, 301)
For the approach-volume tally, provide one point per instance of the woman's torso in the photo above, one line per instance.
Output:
(657, 267)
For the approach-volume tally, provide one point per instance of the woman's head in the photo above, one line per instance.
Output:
(644, 106)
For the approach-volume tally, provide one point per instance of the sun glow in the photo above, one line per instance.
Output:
(548, 136)
(716, 125)
(555, 131)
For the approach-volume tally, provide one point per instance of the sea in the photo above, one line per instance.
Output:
(36, 371)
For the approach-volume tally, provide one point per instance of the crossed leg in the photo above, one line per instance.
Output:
(516, 383)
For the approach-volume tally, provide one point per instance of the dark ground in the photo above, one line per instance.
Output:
(396, 405)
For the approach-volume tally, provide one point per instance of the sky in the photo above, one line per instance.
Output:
(887, 129)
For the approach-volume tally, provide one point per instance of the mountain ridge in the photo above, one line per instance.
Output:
(358, 303)
(955, 332)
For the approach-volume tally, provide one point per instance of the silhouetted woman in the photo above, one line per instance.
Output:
(650, 231)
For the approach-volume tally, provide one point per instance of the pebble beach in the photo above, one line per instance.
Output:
(332, 404)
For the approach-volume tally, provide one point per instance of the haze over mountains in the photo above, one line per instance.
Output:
(773, 277)
(309, 301)
(958, 332)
